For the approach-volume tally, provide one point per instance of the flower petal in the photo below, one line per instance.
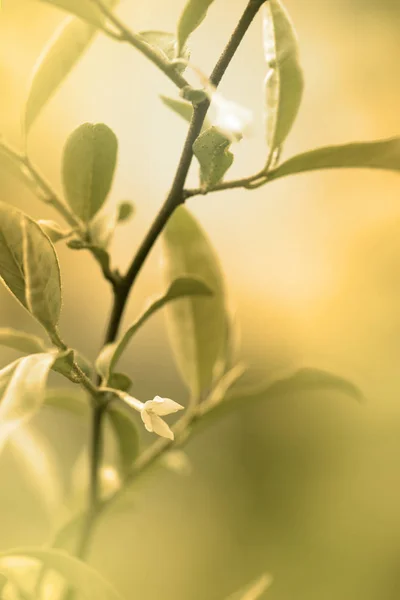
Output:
(162, 406)
(147, 420)
(161, 428)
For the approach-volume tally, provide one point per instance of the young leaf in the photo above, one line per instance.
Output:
(29, 266)
(53, 230)
(85, 9)
(255, 590)
(120, 381)
(221, 388)
(78, 575)
(89, 161)
(284, 81)
(42, 275)
(211, 149)
(126, 435)
(167, 44)
(382, 154)
(21, 341)
(182, 286)
(64, 364)
(59, 56)
(193, 15)
(22, 391)
(126, 210)
(197, 326)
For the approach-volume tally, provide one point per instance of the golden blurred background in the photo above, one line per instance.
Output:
(307, 488)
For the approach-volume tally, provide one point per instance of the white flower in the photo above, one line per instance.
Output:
(153, 410)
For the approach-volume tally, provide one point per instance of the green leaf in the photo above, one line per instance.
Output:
(29, 266)
(126, 210)
(59, 56)
(284, 81)
(85, 9)
(42, 275)
(193, 15)
(255, 590)
(64, 364)
(297, 382)
(89, 161)
(183, 108)
(382, 154)
(126, 435)
(211, 149)
(79, 576)
(167, 44)
(53, 230)
(180, 287)
(21, 341)
(22, 391)
(120, 381)
(73, 401)
(197, 326)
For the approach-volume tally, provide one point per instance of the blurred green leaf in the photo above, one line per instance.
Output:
(57, 59)
(90, 156)
(29, 266)
(85, 9)
(126, 210)
(180, 287)
(41, 273)
(126, 435)
(22, 391)
(53, 230)
(382, 154)
(254, 590)
(192, 16)
(64, 364)
(183, 108)
(297, 382)
(211, 149)
(167, 43)
(79, 576)
(120, 381)
(221, 388)
(284, 82)
(10, 164)
(73, 400)
(22, 341)
(197, 326)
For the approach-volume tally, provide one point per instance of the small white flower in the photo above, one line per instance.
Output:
(153, 410)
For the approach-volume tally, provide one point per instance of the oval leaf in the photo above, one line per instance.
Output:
(22, 391)
(21, 341)
(193, 15)
(197, 326)
(284, 81)
(382, 154)
(211, 149)
(78, 575)
(55, 62)
(89, 161)
(29, 266)
(179, 288)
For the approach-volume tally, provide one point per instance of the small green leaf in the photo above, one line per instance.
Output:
(29, 266)
(382, 154)
(22, 391)
(167, 44)
(193, 15)
(42, 275)
(85, 9)
(120, 381)
(21, 341)
(89, 161)
(197, 326)
(284, 81)
(53, 230)
(59, 56)
(297, 382)
(126, 435)
(126, 210)
(211, 149)
(78, 575)
(254, 590)
(64, 364)
(179, 288)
